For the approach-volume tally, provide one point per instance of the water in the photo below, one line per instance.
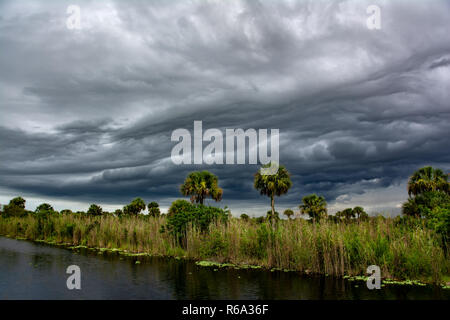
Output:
(38, 271)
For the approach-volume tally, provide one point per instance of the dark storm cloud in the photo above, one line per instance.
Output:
(88, 114)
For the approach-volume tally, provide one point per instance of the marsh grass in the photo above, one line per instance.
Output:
(322, 248)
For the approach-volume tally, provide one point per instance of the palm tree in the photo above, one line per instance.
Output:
(314, 206)
(288, 213)
(359, 211)
(273, 185)
(428, 179)
(153, 209)
(200, 185)
(135, 207)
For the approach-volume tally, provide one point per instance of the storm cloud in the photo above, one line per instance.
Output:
(87, 114)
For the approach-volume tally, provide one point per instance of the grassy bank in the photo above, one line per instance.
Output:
(324, 248)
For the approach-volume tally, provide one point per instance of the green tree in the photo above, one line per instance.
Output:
(200, 185)
(363, 216)
(95, 210)
(182, 214)
(18, 202)
(428, 179)
(44, 208)
(153, 209)
(410, 208)
(244, 217)
(135, 207)
(429, 198)
(359, 211)
(16, 207)
(348, 213)
(288, 213)
(314, 206)
(273, 185)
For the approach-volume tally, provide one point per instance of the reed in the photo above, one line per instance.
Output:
(324, 248)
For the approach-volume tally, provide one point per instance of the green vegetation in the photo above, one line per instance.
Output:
(288, 213)
(201, 185)
(135, 207)
(409, 247)
(245, 217)
(314, 206)
(183, 214)
(429, 199)
(95, 210)
(153, 209)
(348, 214)
(273, 185)
(339, 249)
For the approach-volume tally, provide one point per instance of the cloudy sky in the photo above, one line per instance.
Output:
(87, 114)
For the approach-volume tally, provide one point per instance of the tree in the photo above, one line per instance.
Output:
(273, 185)
(118, 212)
(16, 207)
(44, 208)
(201, 185)
(429, 198)
(135, 207)
(314, 206)
(95, 210)
(348, 213)
(153, 209)
(363, 216)
(428, 179)
(183, 214)
(244, 217)
(66, 211)
(18, 201)
(288, 213)
(423, 204)
(410, 208)
(359, 212)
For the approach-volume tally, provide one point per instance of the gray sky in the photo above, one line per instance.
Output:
(87, 114)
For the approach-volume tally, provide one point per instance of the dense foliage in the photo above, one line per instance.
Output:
(183, 214)
(314, 206)
(403, 250)
(200, 185)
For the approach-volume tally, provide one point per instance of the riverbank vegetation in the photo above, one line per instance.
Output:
(413, 246)
(401, 251)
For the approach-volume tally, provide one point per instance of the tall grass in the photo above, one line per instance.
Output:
(324, 248)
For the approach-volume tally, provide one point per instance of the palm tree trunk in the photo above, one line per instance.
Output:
(272, 202)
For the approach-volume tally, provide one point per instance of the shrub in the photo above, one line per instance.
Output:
(182, 214)
(215, 245)
(272, 218)
(68, 229)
